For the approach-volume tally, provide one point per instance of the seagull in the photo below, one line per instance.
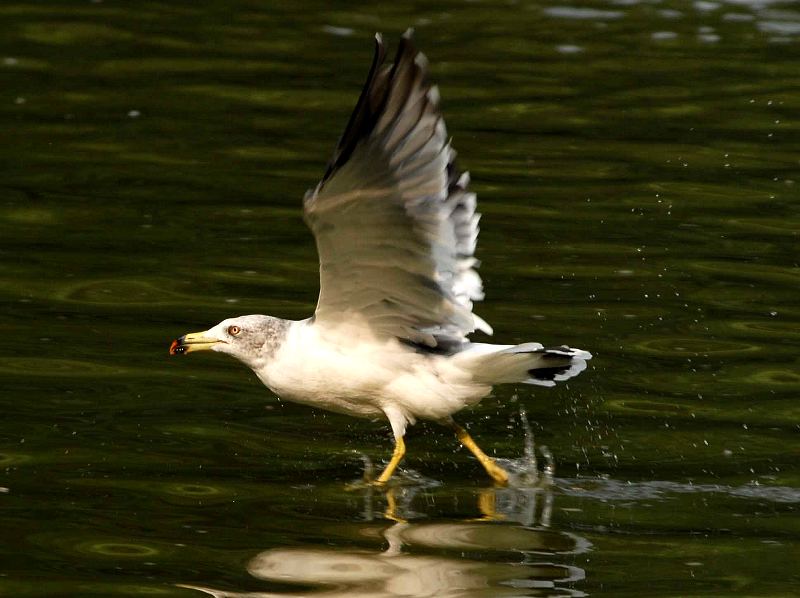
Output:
(396, 229)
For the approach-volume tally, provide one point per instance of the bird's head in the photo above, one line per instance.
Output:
(250, 339)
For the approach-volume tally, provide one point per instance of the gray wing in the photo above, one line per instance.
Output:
(395, 225)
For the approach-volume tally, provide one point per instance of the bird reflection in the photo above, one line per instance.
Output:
(506, 549)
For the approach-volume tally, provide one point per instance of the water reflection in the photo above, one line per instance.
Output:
(506, 549)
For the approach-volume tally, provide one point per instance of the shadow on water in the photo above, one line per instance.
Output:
(506, 549)
(500, 542)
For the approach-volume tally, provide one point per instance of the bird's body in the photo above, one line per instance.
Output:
(367, 378)
(396, 230)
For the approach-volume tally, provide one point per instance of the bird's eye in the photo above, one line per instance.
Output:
(234, 330)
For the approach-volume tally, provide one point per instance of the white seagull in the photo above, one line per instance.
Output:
(396, 230)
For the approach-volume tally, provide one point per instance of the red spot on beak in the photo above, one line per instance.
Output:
(173, 348)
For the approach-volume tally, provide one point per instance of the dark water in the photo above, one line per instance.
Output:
(636, 164)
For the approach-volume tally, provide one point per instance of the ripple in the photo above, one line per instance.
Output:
(176, 493)
(766, 225)
(338, 31)
(193, 490)
(738, 17)
(145, 65)
(751, 299)
(705, 6)
(774, 412)
(40, 366)
(108, 547)
(668, 383)
(680, 347)
(65, 33)
(29, 216)
(610, 489)
(779, 27)
(750, 271)
(116, 291)
(781, 378)
(663, 35)
(118, 549)
(569, 49)
(645, 407)
(775, 330)
(9, 459)
(590, 14)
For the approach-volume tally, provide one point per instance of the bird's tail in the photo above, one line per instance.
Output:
(530, 363)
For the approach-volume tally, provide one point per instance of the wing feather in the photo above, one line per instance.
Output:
(394, 222)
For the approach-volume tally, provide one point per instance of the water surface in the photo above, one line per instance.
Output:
(636, 165)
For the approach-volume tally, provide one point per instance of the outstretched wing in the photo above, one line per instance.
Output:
(394, 222)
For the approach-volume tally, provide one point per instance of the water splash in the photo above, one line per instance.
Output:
(524, 472)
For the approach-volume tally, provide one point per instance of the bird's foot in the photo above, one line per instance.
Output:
(497, 473)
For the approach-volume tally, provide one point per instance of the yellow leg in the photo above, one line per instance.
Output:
(399, 451)
(497, 473)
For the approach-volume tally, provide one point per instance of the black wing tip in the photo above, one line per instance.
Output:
(406, 47)
(360, 117)
(380, 46)
(373, 98)
(408, 36)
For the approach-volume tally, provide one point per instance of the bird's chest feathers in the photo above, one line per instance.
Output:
(364, 379)
(328, 378)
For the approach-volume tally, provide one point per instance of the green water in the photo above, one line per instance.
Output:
(637, 168)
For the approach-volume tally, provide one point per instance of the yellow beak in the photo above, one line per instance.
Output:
(194, 341)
